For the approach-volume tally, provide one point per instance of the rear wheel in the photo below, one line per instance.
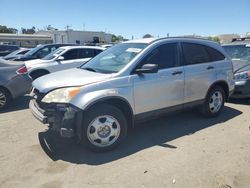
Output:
(5, 98)
(214, 102)
(104, 128)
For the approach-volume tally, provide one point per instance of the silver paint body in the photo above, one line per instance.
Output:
(147, 92)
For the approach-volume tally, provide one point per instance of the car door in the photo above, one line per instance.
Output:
(199, 71)
(156, 91)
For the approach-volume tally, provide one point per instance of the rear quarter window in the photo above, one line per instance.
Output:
(214, 54)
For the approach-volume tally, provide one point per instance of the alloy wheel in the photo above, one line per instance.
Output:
(215, 102)
(3, 99)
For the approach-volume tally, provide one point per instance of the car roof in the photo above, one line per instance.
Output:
(80, 47)
(144, 41)
(186, 39)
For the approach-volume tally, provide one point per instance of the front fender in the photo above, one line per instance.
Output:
(84, 100)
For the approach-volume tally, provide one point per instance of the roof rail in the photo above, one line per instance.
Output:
(183, 37)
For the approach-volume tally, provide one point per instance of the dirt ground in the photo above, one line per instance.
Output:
(181, 150)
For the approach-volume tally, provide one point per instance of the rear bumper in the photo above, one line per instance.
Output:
(242, 89)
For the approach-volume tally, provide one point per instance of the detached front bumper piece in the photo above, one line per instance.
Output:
(63, 118)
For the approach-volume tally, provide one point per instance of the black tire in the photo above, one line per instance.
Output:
(37, 74)
(205, 109)
(4, 96)
(103, 110)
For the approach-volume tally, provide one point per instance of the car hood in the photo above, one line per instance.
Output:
(241, 65)
(33, 62)
(67, 78)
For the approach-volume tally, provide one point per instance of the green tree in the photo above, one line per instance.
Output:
(215, 38)
(118, 38)
(147, 36)
(28, 31)
(5, 29)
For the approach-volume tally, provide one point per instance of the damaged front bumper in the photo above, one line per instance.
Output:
(64, 118)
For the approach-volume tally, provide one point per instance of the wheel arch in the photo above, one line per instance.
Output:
(118, 102)
(224, 86)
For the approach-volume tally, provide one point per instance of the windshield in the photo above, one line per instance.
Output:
(54, 54)
(12, 54)
(34, 50)
(115, 58)
(238, 52)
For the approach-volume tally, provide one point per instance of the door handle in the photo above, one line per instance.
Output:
(176, 72)
(210, 67)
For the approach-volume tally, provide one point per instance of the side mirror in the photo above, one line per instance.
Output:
(147, 68)
(60, 58)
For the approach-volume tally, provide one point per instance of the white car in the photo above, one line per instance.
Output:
(63, 58)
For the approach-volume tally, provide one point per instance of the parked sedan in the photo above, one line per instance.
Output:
(7, 49)
(14, 82)
(40, 51)
(16, 54)
(240, 54)
(63, 58)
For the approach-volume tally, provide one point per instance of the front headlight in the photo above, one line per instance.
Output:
(63, 95)
(242, 76)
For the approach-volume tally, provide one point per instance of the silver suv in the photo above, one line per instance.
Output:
(133, 81)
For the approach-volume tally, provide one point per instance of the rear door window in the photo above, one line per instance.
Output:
(194, 54)
(86, 53)
(71, 54)
(214, 54)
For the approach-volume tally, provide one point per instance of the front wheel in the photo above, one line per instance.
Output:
(214, 102)
(104, 127)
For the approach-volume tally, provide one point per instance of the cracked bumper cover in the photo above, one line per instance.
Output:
(63, 118)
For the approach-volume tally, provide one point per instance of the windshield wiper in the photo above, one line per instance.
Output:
(89, 69)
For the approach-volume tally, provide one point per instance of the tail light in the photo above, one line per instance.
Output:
(22, 70)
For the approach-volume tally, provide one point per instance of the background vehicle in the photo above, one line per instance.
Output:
(239, 51)
(40, 51)
(7, 49)
(14, 82)
(16, 53)
(106, 45)
(63, 58)
(131, 82)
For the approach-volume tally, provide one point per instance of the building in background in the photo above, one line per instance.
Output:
(24, 40)
(77, 37)
(227, 38)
